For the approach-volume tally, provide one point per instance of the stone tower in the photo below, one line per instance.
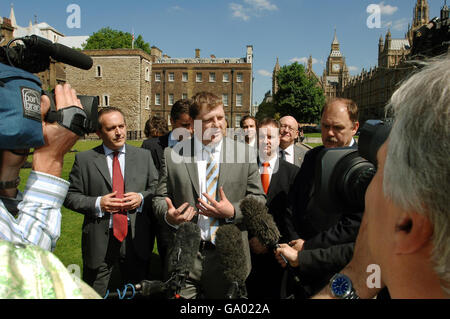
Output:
(276, 69)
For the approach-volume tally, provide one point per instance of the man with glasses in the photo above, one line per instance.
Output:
(290, 152)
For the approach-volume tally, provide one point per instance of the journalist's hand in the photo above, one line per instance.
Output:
(289, 253)
(297, 244)
(10, 165)
(58, 140)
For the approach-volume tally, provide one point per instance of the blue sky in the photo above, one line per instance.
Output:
(289, 29)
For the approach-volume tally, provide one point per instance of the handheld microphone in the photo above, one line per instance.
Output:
(230, 248)
(182, 256)
(261, 225)
(59, 52)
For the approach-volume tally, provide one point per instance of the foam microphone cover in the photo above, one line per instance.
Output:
(259, 222)
(230, 247)
(185, 247)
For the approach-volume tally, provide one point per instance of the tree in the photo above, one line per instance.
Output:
(107, 38)
(298, 94)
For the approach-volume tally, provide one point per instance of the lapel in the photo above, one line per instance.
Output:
(274, 181)
(130, 166)
(191, 166)
(100, 163)
(226, 161)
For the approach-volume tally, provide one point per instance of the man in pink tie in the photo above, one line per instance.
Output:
(112, 185)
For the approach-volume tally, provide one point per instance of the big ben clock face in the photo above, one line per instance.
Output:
(336, 67)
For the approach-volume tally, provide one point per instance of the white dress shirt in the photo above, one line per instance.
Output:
(289, 153)
(272, 169)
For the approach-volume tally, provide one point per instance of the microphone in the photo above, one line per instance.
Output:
(261, 225)
(59, 52)
(182, 256)
(259, 222)
(230, 248)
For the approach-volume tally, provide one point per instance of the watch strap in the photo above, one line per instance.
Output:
(10, 184)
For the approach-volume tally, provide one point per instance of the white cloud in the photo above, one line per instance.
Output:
(251, 8)
(352, 68)
(175, 9)
(397, 25)
(239, 11)
(400, 25)
(264, 73)
(261, 5)
(387, 9)
(304, 60)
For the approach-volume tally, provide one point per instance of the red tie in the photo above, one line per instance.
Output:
(120, 222)
(265, 177)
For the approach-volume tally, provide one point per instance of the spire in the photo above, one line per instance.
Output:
(335, 40)
(277, 66)
(12, 17)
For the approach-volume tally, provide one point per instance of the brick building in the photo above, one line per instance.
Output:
(176, 78)
(120, 78)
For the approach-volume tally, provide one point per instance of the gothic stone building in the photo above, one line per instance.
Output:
(178, 78)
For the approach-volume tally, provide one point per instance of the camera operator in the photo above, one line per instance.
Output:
(39, 216)
(406, 224)
(326, 238)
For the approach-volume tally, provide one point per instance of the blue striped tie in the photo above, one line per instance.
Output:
(212, 175)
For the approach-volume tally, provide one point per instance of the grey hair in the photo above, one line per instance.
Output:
(416, 173)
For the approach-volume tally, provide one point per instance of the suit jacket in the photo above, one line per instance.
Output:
(259, 284)
(156, 146)
(329, 236)
(89, 179)
(179, 181)
(299, 155)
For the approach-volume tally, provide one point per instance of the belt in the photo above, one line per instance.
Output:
(206, 245)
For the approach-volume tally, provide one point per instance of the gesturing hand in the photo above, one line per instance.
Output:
(221, 209)
(109, 203)
(289, 253)
(176, 216)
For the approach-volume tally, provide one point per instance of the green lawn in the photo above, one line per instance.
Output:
(68, 247)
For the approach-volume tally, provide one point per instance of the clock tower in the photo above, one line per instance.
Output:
(335, 61)
(336, 73)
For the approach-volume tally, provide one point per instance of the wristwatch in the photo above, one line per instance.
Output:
(10, 184)
(342, 288)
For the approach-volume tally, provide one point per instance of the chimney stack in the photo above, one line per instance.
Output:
(197, 53)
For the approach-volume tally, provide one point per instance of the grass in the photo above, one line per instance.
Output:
(68, 247)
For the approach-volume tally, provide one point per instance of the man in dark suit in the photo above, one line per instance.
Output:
(112, 186)
(277, 176)
(181, 128)
(203, 181)
(289, 133)
(326, 239)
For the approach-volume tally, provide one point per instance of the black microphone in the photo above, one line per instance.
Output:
(230, 247)
(261, 225)
(182, 256)
(59, 52)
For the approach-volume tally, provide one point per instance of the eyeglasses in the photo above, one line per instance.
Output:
(288, 128)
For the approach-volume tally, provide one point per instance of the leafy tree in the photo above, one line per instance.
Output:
(298, 95)
(107, 38)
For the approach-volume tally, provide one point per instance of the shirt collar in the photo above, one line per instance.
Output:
(109, 151)
(215, 148)
(289, 150)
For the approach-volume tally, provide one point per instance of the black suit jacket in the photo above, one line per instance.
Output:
(265, 278)
(329, 236)
(156, 146)
(89, 179)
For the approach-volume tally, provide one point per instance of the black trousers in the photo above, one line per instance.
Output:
(121, 266)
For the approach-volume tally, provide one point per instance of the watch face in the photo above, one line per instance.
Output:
(341, 286)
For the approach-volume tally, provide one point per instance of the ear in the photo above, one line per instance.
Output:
(355, 127)
(412, 232)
